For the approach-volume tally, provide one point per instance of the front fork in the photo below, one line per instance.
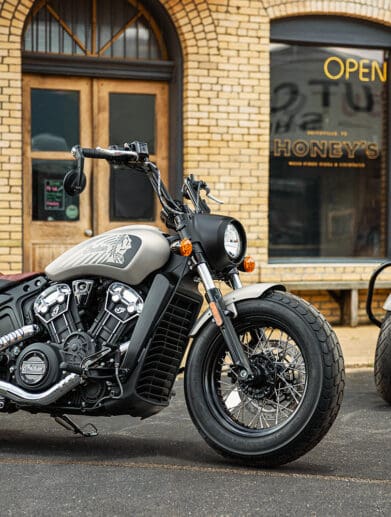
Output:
(222, 318)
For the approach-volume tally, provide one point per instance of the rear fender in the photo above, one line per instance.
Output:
(245, 293)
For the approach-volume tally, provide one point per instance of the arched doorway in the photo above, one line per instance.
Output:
(95, 73)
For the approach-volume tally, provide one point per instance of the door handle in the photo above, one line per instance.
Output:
(88, 232)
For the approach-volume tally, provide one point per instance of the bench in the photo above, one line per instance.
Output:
(344, 293)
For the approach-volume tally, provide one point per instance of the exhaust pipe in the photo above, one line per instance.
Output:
(17, 336)
(45, 398)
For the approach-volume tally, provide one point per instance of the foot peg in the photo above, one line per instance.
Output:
(68, 424)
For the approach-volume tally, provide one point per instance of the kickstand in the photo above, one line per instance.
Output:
(66, 422)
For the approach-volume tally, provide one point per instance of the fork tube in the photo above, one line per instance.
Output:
(224, 323)
(235, 281)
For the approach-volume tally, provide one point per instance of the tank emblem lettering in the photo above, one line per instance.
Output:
(119, 310)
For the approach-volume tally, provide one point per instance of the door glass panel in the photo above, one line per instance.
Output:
(50, 201)
(54, 119)
(131, 196)
(132, 117)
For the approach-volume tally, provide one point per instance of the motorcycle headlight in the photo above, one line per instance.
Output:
(222, 238)
(232, 242)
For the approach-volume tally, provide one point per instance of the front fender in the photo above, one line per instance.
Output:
(245, 293)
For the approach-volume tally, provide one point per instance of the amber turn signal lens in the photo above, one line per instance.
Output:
(248, 264)
(185, 247)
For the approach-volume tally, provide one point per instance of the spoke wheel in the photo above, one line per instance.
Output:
(296, 390)
(277, 390)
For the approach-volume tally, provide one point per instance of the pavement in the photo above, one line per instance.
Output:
(162, 467)
(358, 344)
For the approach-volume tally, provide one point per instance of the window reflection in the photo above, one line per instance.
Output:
(54, 119)
(131, 196)
(132, 117)
(328, 153)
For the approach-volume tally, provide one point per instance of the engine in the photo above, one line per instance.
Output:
(61, 310)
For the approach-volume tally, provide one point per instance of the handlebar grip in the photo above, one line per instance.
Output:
(94, 153)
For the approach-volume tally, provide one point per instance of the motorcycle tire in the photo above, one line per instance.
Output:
(295, 396)
(382, 367)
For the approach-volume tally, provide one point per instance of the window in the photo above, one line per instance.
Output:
(94, 28)
(328, 150)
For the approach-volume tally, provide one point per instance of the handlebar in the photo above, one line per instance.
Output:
(136, 155)
(110, 154)
(134, 152)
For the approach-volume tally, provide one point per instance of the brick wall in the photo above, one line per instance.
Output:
(12, 14)
(226, 115)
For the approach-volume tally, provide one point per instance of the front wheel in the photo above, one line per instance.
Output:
(296, 392)
(383, 360)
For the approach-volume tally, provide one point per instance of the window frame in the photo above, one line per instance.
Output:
(327, 30)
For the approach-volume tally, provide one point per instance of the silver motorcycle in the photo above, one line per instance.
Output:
(106, 330)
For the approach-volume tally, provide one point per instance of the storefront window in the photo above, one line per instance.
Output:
(328, 162)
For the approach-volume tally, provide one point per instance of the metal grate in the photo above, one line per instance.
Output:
(166, 350)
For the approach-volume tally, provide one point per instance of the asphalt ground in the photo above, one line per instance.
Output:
(161, 466)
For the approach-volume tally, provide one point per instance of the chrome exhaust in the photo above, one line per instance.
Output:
(45, 398)
(17, 336)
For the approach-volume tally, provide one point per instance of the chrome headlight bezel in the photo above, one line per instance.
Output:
(233, 244)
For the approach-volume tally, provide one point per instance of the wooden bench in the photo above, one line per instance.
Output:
(344, 293)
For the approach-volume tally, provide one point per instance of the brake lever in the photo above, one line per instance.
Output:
(210, 196)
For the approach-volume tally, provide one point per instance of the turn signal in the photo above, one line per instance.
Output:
(185, 247)
(248, 264)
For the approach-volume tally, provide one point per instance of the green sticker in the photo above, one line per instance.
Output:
(72, 212)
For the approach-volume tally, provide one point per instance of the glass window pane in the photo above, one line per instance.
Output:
(54, 119)
(112, 17)
(50, 201)
(328, 163)
(118, 29)
(132, 117)
(131, 196)
(77, 16)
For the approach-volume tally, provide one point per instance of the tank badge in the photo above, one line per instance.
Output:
(114, 249)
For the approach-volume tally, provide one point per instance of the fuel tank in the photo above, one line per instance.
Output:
(128, 254)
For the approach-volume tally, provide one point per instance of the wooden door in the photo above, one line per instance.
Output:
(57, 115)
(61, 112)
(127, 111)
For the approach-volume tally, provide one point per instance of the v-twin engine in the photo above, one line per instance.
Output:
(60, 309)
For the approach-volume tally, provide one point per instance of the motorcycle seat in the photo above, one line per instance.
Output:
(9, 280)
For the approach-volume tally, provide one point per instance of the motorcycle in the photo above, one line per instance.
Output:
(105, 330)
(382, 364)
